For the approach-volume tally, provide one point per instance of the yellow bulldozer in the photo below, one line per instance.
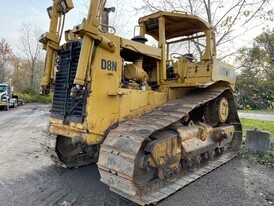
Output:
(153, 117)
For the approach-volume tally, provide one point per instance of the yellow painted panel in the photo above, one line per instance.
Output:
(141, 48)
(198, 71)
(198, 80)
(160, 98)
(103, 105)
(138, 99)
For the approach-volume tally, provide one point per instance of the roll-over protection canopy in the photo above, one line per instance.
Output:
(176, 24)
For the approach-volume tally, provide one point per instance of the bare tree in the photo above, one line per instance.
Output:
(120, 19)
(32, 52)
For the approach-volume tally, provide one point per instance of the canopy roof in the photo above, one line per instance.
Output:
(176, 24)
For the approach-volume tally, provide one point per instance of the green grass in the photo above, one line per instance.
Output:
(258, 157)
(257, 124)
(270, 111)
(29, 98)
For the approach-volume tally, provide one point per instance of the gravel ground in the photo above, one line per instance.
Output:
(28, 178)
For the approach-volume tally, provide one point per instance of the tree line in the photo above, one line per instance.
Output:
(25, 70)
(255, 80)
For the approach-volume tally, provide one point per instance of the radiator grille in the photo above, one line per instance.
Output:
(63, 106)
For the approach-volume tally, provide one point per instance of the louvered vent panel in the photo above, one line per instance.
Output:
(63, 106)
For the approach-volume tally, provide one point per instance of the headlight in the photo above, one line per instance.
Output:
(43, 38)
(49, 10)
(4, 98)
(66, 5)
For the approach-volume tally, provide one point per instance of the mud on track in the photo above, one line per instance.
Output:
(28, 178)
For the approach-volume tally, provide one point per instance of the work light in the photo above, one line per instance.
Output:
(49, 10)
(66, 5)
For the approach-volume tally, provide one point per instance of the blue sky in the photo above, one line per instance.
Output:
(14, 12)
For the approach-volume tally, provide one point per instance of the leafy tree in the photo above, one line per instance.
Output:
(18, 76)
(5, 57)
(255, 83)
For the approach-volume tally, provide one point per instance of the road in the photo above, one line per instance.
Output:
(28, 178)
(256, 116)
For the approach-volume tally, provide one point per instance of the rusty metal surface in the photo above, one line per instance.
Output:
(48, 146)
(119, 151)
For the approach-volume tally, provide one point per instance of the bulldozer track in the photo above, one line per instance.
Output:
(119, 151)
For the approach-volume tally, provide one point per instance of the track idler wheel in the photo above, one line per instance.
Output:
(66, 148)
(143, 172)
(223, 109)
(216, 111)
